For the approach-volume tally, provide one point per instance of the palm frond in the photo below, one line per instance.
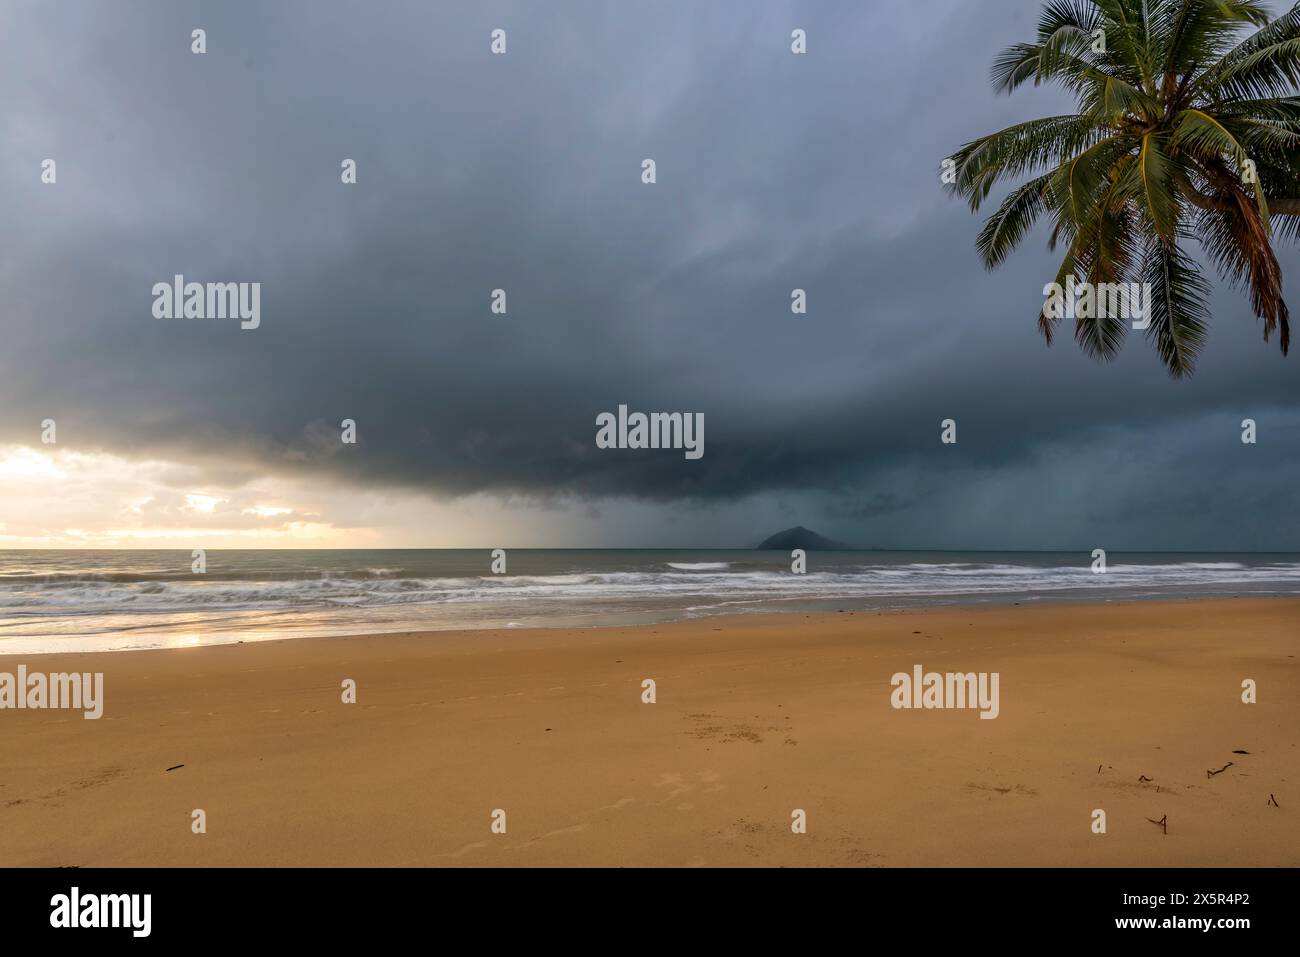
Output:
(1023, 148)
(1004, 230)
(1179, 306)
(1158, 185)
(1204, 137)
(1265, 64)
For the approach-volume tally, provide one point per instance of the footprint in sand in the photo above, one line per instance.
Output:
(467, 848)
(708, 782)
(1014, 789)
(712, 779)
(675, 781)
(616, 806)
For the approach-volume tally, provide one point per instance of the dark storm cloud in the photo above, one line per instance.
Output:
(522, 172)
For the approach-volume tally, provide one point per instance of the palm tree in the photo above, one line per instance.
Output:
(1185, 129)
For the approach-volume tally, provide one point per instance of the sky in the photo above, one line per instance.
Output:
(523, 172)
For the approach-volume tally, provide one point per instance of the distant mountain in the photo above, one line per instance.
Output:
(800, 537)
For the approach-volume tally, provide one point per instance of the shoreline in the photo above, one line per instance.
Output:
(639, 619)
(1124, 706)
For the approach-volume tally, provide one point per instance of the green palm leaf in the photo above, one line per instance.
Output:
(1179, 306)
(1187, 124)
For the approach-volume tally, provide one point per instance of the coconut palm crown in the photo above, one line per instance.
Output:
(1187, 128)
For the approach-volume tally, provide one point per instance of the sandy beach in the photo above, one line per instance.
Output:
(1119, 707)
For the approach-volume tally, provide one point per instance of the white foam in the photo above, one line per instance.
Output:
(48, 614)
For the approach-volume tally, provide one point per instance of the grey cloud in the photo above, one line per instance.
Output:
(522, 172)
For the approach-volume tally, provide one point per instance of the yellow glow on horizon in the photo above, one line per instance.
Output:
(55, 496)
(58, 498)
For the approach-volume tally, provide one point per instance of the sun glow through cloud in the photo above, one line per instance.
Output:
(19, 462)
(204, 503)
(54, 497)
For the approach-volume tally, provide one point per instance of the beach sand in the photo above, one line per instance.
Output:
(755, 716)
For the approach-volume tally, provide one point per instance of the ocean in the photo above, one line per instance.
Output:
(117, 600)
